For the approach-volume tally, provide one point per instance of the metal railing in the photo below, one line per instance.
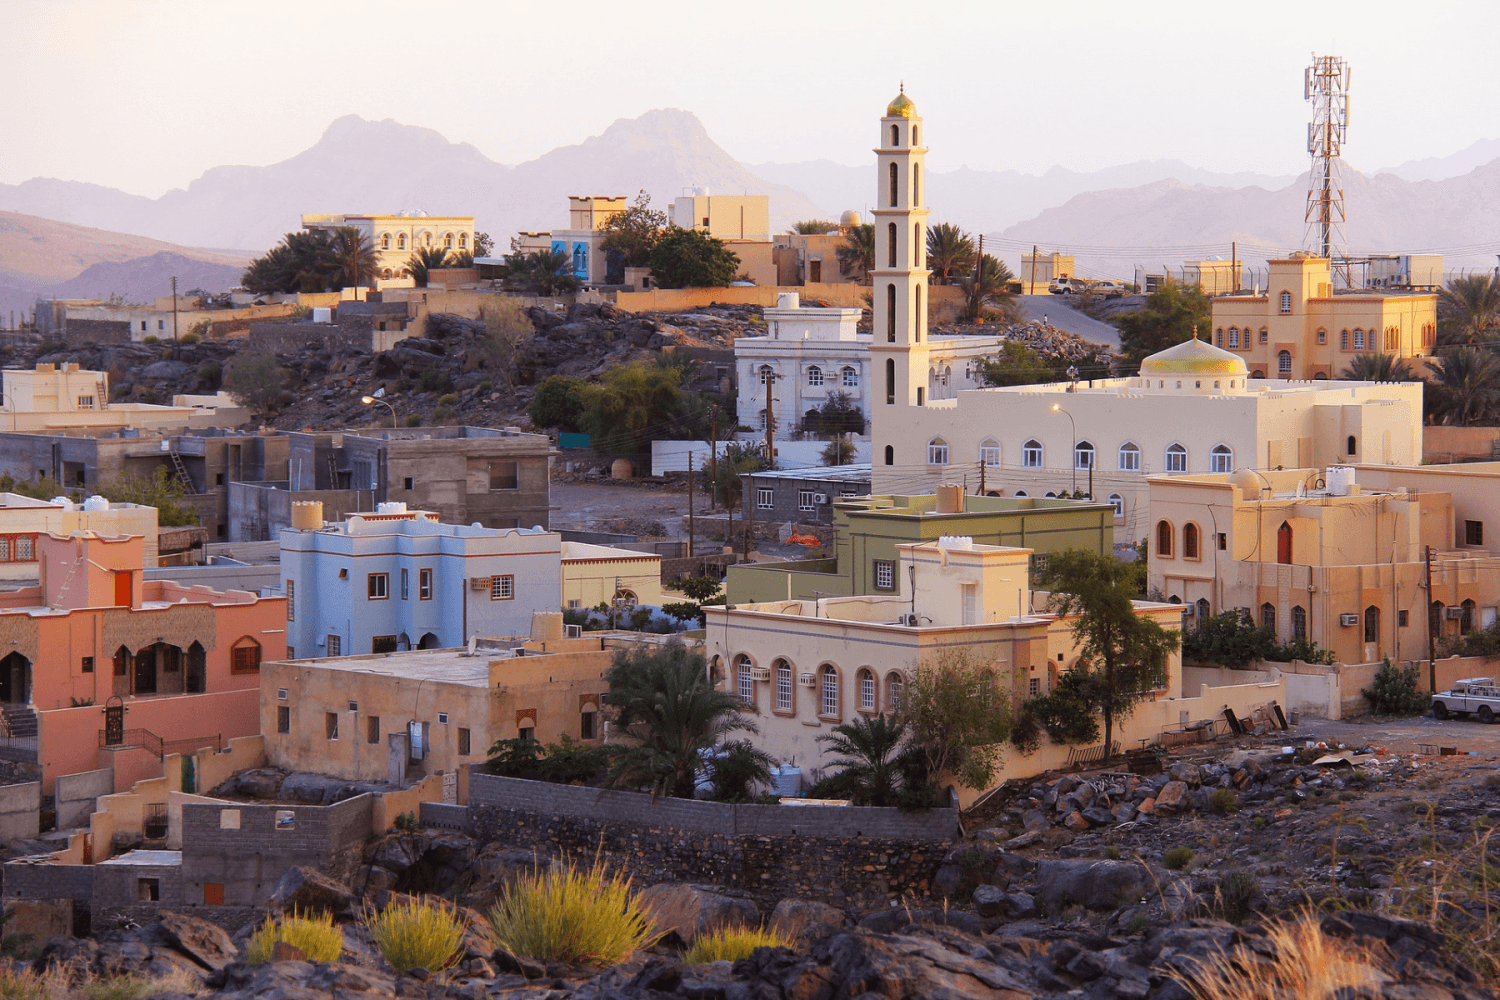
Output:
(161, 747)
(19, 748)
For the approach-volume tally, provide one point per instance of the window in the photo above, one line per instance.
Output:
(1372, 624)
(1083, 455)
(283, 719)
(1190, 542)
(866, 690)
(828, 703)
(244, 657)
(989, 452)
(377, 586)
(805, 500)
(1284, 364)
(1322, 336)
(1234, 337)
(1299, 622)
(890, 327)
(401, 241)
(1031, 454)
(1203, 609)
(1176, 458)
(783, 686)
(1118, 503)
(1164, 538)
(1402, 618)
(385, 241)
(403, 584)
(850, 376)
(764, 498)
(895, 691)
(744, 680)
(765, 374)
(1473, 532)
(291, 600)
(147, 890)
(504, 476)
(1223, 540)
(885, 574)
(25, 548)
(1466, 617)
(502, 587)
(1130, 457)
(815, 376)
(1359, 339)
(382, 644)
(895, 135)
(1284, 544)
(465, 740)
(85, 402)
(893, 185)
(372, 729)
(1221, 459)
(890, 455)
(331, 725)
(1343, 340)
(424, 584)
(1268, 616)
(890, 245)
(463, 241)
(937, 452)
(408, 483)
(335, 645)
(1286, 303)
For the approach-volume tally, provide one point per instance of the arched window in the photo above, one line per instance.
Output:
(1130, 457)
(1372, 624)
(917, 246)
(784, 701)
(1257, 374)
(447, 241)
(895, 691)
(1286, 303)
(1221, 459)
(989, 452)
(828, 690)
(1021, 493)
(866, 681)
(765, 374)
(1164, 538)
(1435, 618)
(1050, 494)
(1118, 503)
(1176, 458)
(1268, 616)
(463, 241)
(890, 455)
(937, 452)
(915, 131)
(890, 313)
(1234, 338)
(1190, 541)
(1083, 455)
(244, 656)
(916, 184)
(1203, 609)
(895, 135)
(1284, 544)
(890, 380)
(1031, 454)
(1466, 619)
(1352, 448)
(815, 376)
(400, 241)
(890, 245)
(1299, 622)
(1219, 337)
(1284, 364)
(947, 375)
(386, 273)
(744, 679)
(1343, 340)
(849, 375)
(893, 185)
(1359, 339)
(918, 317)
(385, 241)
(427, 239)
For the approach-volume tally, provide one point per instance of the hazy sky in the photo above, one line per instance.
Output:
(146, 95)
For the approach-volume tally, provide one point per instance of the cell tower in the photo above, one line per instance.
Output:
(1326, 85)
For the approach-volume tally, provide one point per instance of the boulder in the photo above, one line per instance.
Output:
(1098, 816)
(1021, 905)
(690, 910)
(207, 944)
(805, 920)
(1094, 884)
(1074, 821)
(989, 900)
(312, 789)
(301, 888)
(261, 783)
(862, 962)
(1172, 796)
(1024, 840)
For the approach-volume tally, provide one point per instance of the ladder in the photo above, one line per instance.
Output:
(180, 469)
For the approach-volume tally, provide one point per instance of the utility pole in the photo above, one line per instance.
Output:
(981, 477)
(770, 419)
(174, 315)
(690, 505)
(1234, 264)
(1033, 270)
(713, 456)
(1431, 638)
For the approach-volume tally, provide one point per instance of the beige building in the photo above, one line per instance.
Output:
(813, 258)
(23, 518)
(61, 398)
(580, 241)
(596, 574)
(1299, 328)
(397, 237)
(743, 222)
(1319, 555)
(1038, 270)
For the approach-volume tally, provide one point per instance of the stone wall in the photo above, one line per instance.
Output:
(856, 858)
(91, 332)
(20, 811)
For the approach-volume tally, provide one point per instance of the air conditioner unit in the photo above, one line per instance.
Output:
(807, 679)
(1347, 620)
(820, 498)
(573, 631)
(1453, 614)
(760, 673)
(479, 583)
(1189, 610)
(910, 620)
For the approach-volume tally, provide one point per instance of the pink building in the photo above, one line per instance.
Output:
(183, 662)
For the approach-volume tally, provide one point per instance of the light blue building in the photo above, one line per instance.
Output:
(396, 580)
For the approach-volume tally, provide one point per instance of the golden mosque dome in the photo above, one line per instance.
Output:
(1194, 357)
(902, 106)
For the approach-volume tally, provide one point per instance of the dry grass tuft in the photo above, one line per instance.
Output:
(731, 944)
(417, 933)
(314, 934)
(572, 914)
(1308, 965)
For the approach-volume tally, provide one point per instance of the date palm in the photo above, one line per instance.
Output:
(354, 258)
(1468, 386)
(869, 757)
(857, 255)
(1377, 367)
(1469, 309)
(988, 290)
(424, 260)
(950, 253)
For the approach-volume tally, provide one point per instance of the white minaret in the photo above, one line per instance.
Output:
(899, 285)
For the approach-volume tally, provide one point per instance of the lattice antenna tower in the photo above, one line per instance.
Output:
(1326, 85)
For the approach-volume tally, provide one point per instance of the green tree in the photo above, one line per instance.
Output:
(672, 717)
(868, 757)
(483, 244)
(1377, 368)
(989, 289)
(39, 489)
(630, 236)
(545, 272)
(686, 258)
(166, 493)
(737, 459)
(950, 253)
(559, 403)
(735, 767)
(1229, 639)
(957, 719)
(1469, 309)
(304, 261)
(354, 258)
(1394, 691)
(840, 450)
(1130, 651)
(1018, 364)
(813, 227)
(632, 405)
(1468, 386)
(838, 414)
(1167, 318)
(508, 337)
(424, 260)
(1067, 714)
(254, 380)
(461, 258)
(857, 255)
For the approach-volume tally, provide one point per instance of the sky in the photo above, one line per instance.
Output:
(145, 95)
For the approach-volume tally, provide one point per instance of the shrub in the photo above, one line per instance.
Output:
(26, 985)
(571, 914)
(1112, 852)
(417, 933)
(730, 945)
(191, 338)
(414, 420)
(1223, 801)
(315, 934)
(1394, 691)
(448, 399)
(150, 338)
(1234, 893)
(571, 762)
(1177, 858)
(433, 380)
(442, 414)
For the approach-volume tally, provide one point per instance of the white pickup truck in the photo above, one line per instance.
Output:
(1476, 695)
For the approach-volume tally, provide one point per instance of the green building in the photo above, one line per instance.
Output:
(869, 528)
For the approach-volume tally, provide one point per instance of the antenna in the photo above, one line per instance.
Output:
(1326, 85)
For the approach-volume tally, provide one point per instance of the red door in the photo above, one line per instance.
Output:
(1284, 543)
(122, 590)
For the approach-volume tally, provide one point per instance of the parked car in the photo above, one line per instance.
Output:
(1066, 286)
(1108, 289)
(1476, 695)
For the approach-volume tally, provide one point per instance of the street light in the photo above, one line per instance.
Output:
(1074, 462)
(367, 400)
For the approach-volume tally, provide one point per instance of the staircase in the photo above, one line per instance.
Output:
(20, 721)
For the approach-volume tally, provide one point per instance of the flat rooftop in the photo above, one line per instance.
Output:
(444, 666)
(822, 473)
(142, 857)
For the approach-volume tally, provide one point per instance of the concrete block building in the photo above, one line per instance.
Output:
(54, 399)
(23, 519)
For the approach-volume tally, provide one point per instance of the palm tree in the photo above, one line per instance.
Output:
(424, 260)
(857, 255)
(545, 272)
(673, 716)
(989, 289)
(1468, 386)
(813, 227)
(950, 252)
(354, 258)
(1377, 368)
(869, 751)
(1469, 309)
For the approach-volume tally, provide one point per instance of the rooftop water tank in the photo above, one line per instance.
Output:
(96, 502)
(63, 502)
(950, 499)
(322, 314)
(962, 543)
(391, 507)
(1339, 479)
(307, 515)
(787, 780)
(788, 300)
